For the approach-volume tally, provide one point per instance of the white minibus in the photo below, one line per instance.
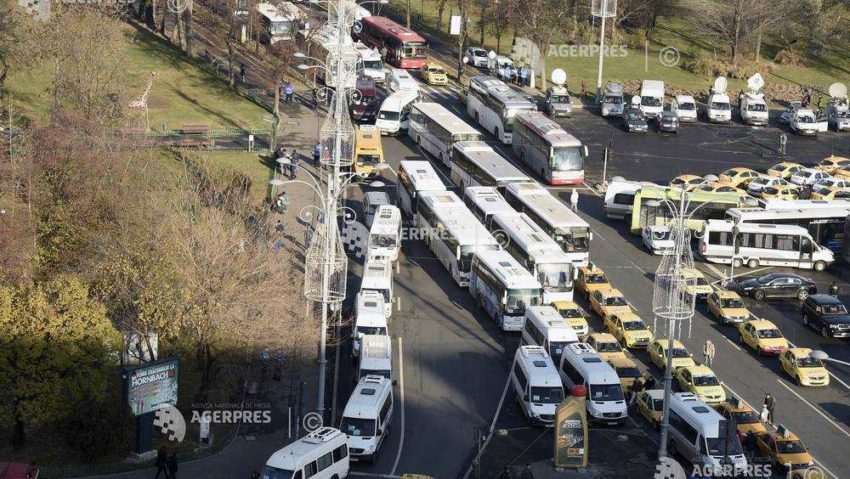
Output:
(484, 202)
(536, 384)
(475, 163)
(701, 435)
(373, 200)
(582, 366)
(378, 277)
(652, 98)
(322, 454)
(367, 416)
(369, 318)
(545, 327)
(394, 114)
(413, 178)
(435, 129)
(503, 288)
(376, 357)
(385, 235)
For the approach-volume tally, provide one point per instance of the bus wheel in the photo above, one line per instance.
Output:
(753, 263)
(820, 266)
(737, 263)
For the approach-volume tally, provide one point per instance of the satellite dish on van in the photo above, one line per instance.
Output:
(755, 82)
(618, 178)
(635, 100)
(838, 90)
(720, 85)
(559, 77)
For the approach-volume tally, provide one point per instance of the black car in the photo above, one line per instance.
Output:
(634, 120)
(826, 314)
(668, 122)
(777, 285)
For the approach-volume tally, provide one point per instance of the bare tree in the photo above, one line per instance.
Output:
(441, 7)
(769, 14)
(540, 20)
(8, 36)
(499, 18)
(725, 21)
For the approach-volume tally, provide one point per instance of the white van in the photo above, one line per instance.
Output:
(376, 357)
(582, 366)
(718, 108)
(537, 384)
(322, 454)
(369, 318)
(652, 98)
(394, 114)
(385, 235)
(545, 327)
(378, 277)
(701, 435)
(684, 107)
(367, 416)
(373, 200)
(619, 199)
(415, 177)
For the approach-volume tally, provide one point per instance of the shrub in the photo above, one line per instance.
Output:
(789, 56)
(100, 429)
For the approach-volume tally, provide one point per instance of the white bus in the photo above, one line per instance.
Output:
(484, 202)
(452, 232)
(538, 253)
(562, 224)
(823, 219)
(493, 104)
(546, 148)
(503, 288)
(753, 244)
(702, 436)
(322, 454)
(415, 177)
(385, 234)
(280, 22)
(435, 129)
(475, 163)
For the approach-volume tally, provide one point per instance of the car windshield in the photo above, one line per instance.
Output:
(616, 301)
(708, 380)
(808, 362)
(634, 116)
(789, 447)
(383, 241)
(745, 417)
(687, 106)
(595, 278)
(769, 333)
(559, 99)
(437, 71)
(719, 105)
(680, 353)
(554, 276)
(373, 65)
(568, 158)
(388, 115)
(479, 53)
(519, 299)
(571, 313)
(731, 303)
(606, 392)
(661, 235)
(834, 310)
(650, 101)
(608, 347)
(628, 372)
(547, 395)
(718, 447)
(355, 426)
(614, 100)
(702, 281)
(634, 326)
(372, 330)
(270, 472)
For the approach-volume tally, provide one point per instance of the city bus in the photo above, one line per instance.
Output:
(494, 104)
(644, 213)
(401, 46)
(484, 202)
(546, 148)
(537, 252)
(414, 177)
(555, 218)
(279, 22)
(452, 232)
(475, 163)
(503, 288)
(823, 219)
(435, 129)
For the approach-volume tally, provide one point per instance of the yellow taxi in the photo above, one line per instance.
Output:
(629, 329)
(783, 447)
(763, 336)
(650, 405)
(831, 188)
(591, 278)
(746, 419)
(718, 187)
(806, 370)
(434, 74)
(688, 182)
(606, 346)
(780, 192)
(784, 169)
(833, 163)
(697, 285)
(727, 307)
(574, 314)
(606, 302)
(658, 354)
(701, 381)
(627, 370)
(738, 177)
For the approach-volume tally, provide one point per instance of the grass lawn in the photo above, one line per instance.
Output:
(251, 164)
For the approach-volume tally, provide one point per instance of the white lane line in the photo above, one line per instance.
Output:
(815, 408)
(715, 270)
(733, 344)
(369, 474)
(833, 376)
(401, 393)
(592, 190)
(492, 426)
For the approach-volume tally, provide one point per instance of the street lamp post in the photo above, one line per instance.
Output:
(825, 357)
(603, 9)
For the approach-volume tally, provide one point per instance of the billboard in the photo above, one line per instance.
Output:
(152, 385)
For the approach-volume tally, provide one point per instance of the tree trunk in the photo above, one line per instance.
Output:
(19, 435)
(481, 23)
(542, 72)
(757, 58)
(408, 13)
(231, 76)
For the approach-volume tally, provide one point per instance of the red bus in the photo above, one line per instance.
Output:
(404, 47)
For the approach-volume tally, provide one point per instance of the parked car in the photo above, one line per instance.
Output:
(788, 192)
(784, 169)
(477, 57)
(777, 285)
(399, 80)
(635, 121)
(688, 182)
(668, 122)
(757, 186)
(826, 189)
(805, 121)
(826, 314)
(685, 108)
(808, 176)
(832, 163)
(557, 102)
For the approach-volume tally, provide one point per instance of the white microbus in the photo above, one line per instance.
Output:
(824, 219)
(475, 163)
(723, 241)
(581, 366)
(701, 435)
(367, 417)
(484, 202)
(546, 148)
(503, 288)
(279, 22)
(371, 63)
(376, 357)
(378, 276)
(322, 454)
(435, 129)
(415, 177)
(385, 234)
(537, 384)
(537, 252)
(394, 113)
(452, 232)
(545, 327)
(369, 318)
(562, 224)
(493, 104)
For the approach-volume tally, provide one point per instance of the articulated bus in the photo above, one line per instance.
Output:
(494, 104)
(435, 129)
(452, 232)
(548, 149)
(475, 163)
(404, 47)
(555, 218)
(824, 220)
(538, 253)
(484, 202)
(645, 213)
(503, 288)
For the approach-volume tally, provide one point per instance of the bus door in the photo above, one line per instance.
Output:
(806, 250)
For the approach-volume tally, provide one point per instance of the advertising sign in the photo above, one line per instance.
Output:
(571, 447)
(151, 386)
(454, 25)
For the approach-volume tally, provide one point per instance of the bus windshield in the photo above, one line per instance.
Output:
(383, 241)
(555, 276)
(718, 446)
(280, 28)
(567, 158)
(388, 115)
(547, 395)
(519, 299)
(355, 426)
(270, 472)
(571, 243)
(368, 159)
(373, 64)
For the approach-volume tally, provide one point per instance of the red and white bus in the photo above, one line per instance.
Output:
(404, 47)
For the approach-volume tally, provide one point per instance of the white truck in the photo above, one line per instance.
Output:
(718, 108)
(612, 102)
(753, 107)
(838, 109)
(804, 121)
(652, 98)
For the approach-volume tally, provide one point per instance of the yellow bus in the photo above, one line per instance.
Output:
(368, 152)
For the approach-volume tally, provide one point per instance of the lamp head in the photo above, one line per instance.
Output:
(299, 55)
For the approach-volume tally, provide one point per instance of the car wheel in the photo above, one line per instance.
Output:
(802, 295)
(758, 295)
(799, 381)
(824, 331)
(737, 263)
(753, 263)
(820, 266)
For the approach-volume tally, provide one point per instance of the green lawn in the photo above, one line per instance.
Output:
(253, 165)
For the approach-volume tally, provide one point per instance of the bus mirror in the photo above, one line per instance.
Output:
(590, 236)
(575, 274)
(585, 151)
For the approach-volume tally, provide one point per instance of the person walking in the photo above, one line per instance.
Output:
(522, 74)
(293, 163)
(708, 352)
(574, 200)
(162, 462)
(242, 73)
(172, 465)
(783, 140)
(770, 405)
(317, 153)
(833, 289)
(288, 91)
(636, 389)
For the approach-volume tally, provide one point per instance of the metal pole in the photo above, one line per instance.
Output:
(601, 47)
(605, 167)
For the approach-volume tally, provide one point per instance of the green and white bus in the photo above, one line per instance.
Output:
(708, 206)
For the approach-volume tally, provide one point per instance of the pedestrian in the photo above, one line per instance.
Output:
(293, 163)
(708, 352)
(308, 235)
(317, 153)
(242, 73)
(648, 383)
(288, 91)
(278, 227)
(770, 406)
(574, 200)
(522, 74)
(282, 202)
(172, 465)
(161, 462)
(636, 389)
(833, 289)
(783, 140)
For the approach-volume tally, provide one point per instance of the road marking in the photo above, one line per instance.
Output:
(369, 474)
(837, 426)
(733, 344)
(401, 393)
(492, 426)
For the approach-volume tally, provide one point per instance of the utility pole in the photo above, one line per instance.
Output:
(461, 38)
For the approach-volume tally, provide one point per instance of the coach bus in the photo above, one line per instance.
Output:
(475, 163)
(503, 288)
(494, 104)
(401, 46)
(823, 221)
(452, 232)
(648, 207)
(484, 202)
(555, 218)
(548, 149)
(414, 177)
(435, 129)
(537, 252)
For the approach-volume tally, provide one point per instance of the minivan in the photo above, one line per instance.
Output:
(545, 327)
(582, 366)
(369, 318)
(378, 277)
(322, 454)
(701, 435)
(394, 113)
(537, 384)
(375, 357)
(373, 200)
(367, 416)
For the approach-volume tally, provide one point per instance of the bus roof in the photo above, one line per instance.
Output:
(547, 129)
(387, 220)
(665, 192)
(377, 275)
(697, 413)
(488, 200)
(399, 99)
(457, 218)
(422, 175)
(776, 205)
(726, 225)
(393, 29)
(485, 157)
(501, 91)
(543, 204)
(367, 137)
(506, 268)
(530, 237)
(365, 401)
(318, 442)
(282, 12)
(541, 370)
(445, 118)
(803, 213)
